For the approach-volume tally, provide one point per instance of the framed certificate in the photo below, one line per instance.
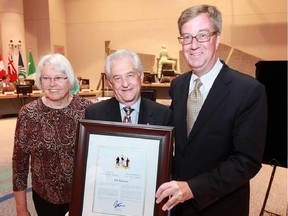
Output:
(118, 168)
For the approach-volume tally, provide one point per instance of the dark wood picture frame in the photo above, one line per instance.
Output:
(163, 135)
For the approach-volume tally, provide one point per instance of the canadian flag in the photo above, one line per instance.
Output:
(2, 69)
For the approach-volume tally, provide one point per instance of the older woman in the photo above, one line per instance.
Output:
(46, 134)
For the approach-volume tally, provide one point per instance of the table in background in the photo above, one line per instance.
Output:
(162, 89)
(11, 104)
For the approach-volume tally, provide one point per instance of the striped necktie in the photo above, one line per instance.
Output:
(194, 104)
(127, 118)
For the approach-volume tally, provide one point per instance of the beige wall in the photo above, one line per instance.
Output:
(39, 24)
(57, 23)
(257, 27)
(45, 25)
(37, 27)
(12, 28)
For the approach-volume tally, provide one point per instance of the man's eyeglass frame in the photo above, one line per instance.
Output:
(198, 37)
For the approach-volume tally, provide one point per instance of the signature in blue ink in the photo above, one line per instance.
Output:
(118, 204)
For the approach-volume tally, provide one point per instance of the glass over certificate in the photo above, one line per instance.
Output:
(118, 174)
(121, 171)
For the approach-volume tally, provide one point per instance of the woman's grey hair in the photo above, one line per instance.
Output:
(119, 54)
(60, 64)
(194, 11)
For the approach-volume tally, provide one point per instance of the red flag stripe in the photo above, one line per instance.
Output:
(2, 69)
(12, 72)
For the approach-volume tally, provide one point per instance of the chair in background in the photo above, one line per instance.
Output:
(85, 84)
(149, 94)
(30, 82)
(168, 72)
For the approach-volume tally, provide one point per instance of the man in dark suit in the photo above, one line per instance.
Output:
(214, 161)
(124, 73)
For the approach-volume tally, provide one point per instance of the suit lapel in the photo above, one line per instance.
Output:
(145, 113)
(179, 94)
(113, 110)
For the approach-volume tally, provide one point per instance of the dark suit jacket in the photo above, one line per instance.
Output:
(225, 147)
(150, 112)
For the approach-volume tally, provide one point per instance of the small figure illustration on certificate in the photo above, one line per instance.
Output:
(124, 163)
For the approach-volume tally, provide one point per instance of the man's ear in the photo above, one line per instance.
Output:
(142, 77)
(218, 37)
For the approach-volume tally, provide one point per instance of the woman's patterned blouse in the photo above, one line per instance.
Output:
(47, 137)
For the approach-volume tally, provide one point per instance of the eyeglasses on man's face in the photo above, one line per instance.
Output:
(201, 37)
(59, 80)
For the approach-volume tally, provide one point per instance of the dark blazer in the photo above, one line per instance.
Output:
(225, 147)
(150, 112)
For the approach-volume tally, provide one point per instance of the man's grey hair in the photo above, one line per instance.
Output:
(119, 54)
